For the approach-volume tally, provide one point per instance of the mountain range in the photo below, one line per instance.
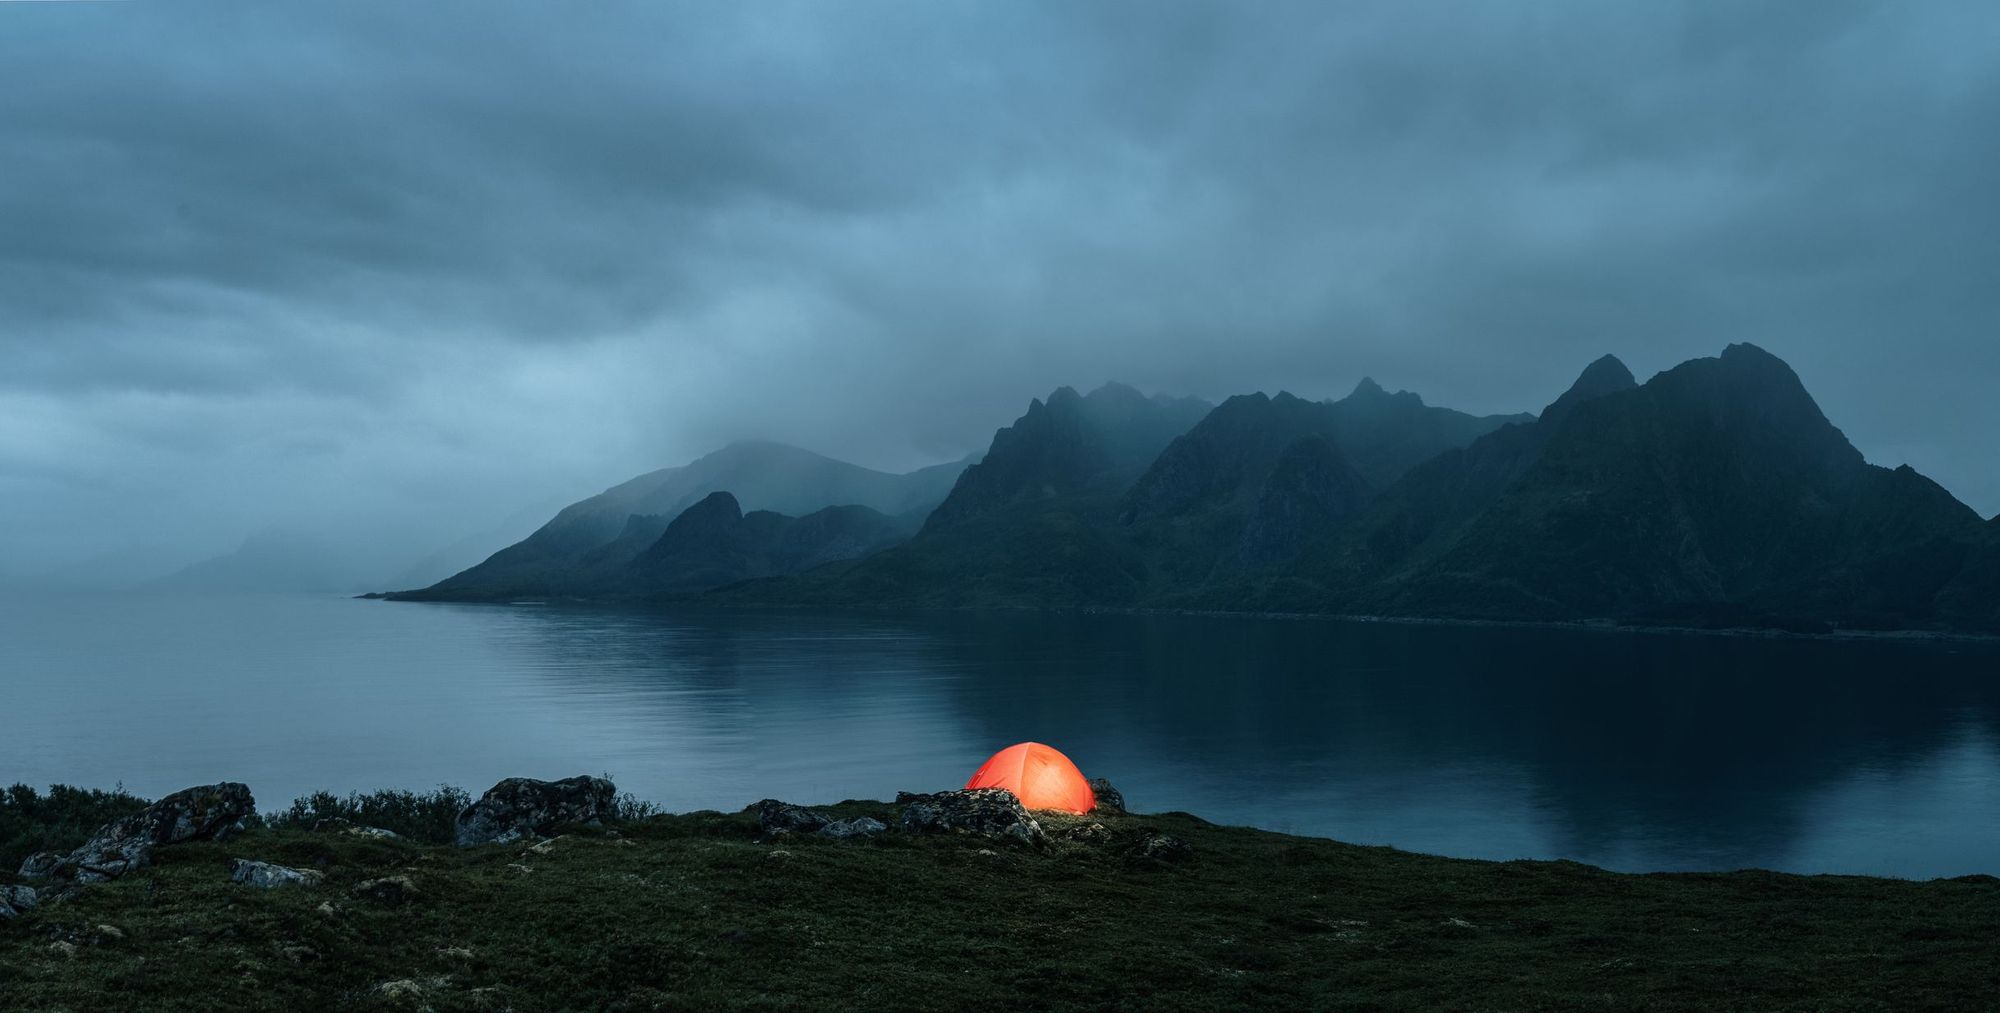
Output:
(1715, 494)
(631, 538)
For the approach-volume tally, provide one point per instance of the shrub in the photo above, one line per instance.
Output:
(58, 821)
(429, 816)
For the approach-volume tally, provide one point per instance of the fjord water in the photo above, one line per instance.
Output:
(1631, 751)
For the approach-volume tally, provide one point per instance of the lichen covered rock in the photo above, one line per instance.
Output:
(1157, 847)
(1110, 800)
(342, 825)
(1093, 834)
(264, 874)
(981, 812)
(209, 812)
(522, 807)
(860, 826)
(15, 901)
(775, 817)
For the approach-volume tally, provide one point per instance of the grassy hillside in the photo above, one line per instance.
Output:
(696, 912)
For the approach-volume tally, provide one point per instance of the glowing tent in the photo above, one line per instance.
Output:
(1040, 776)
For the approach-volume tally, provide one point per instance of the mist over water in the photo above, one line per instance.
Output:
(1636, 752)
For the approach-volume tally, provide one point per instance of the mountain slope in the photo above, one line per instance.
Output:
(1717, 489)
(1310, 492)
(1429, 508)
(714, 543)
(587, 545)
(1230, 454)
(472, 549)
(1214, 501)
(1068, 445)
(1032, 522)
(1971, 598)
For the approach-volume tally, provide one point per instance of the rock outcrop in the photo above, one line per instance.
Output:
(264, 874)
(1159, 847)
(522, 807)
(1109, 799)
(340, 825)
(14, 900)
(982, 812)
(206, 813)
(860, 826)
(775, 817)
(351, 827)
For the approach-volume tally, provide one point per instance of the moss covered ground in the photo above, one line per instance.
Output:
(695, 911)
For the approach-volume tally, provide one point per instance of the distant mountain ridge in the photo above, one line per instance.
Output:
(1715, 494)
(1067, 445)
(587, 547)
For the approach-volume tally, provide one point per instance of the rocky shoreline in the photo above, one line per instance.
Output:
(522, 810)
(541, 895)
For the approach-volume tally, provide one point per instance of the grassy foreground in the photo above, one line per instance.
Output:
(694, 912)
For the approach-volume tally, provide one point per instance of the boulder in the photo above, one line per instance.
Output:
(1086, 833)
(40, 865)
(207, 813)
(1158, 847)
(266, 875)
(1110, 801)
(15, 900)
(860, 826)
(521, 807)
(775, 817)
(982, 812)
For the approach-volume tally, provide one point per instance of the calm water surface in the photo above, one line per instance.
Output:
(1635, 752)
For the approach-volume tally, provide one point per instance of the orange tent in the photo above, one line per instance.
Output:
(1040, 776)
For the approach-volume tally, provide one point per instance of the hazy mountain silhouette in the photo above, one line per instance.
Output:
(1032, 523)
(470, 550)
(714, 543)
(1067, 446)
(1192, 510)
(278, 559)
(586, 548)
(119, 569)
(1429, 508)
(1715, 494)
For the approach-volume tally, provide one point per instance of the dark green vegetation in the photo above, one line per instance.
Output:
(1715, 495)
(31, 821)
(695, 912)
(421, 816)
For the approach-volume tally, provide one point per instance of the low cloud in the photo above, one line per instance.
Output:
(397, 270)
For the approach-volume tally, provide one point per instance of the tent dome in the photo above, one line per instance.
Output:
(1040, 776)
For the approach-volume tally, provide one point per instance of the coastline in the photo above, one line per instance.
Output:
(1578, 625)
(1162, 911)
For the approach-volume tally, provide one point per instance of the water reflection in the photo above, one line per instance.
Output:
(1637, 752)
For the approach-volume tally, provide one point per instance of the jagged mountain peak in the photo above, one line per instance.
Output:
(1750, 391)
(1065, 445)
(714, 506)
(1747, 353)
(1607, 375)
(1112, 389)
(1369, 394)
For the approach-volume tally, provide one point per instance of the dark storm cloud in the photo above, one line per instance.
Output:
(411, 266)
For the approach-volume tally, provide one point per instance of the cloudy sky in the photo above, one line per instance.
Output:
(396, 271)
